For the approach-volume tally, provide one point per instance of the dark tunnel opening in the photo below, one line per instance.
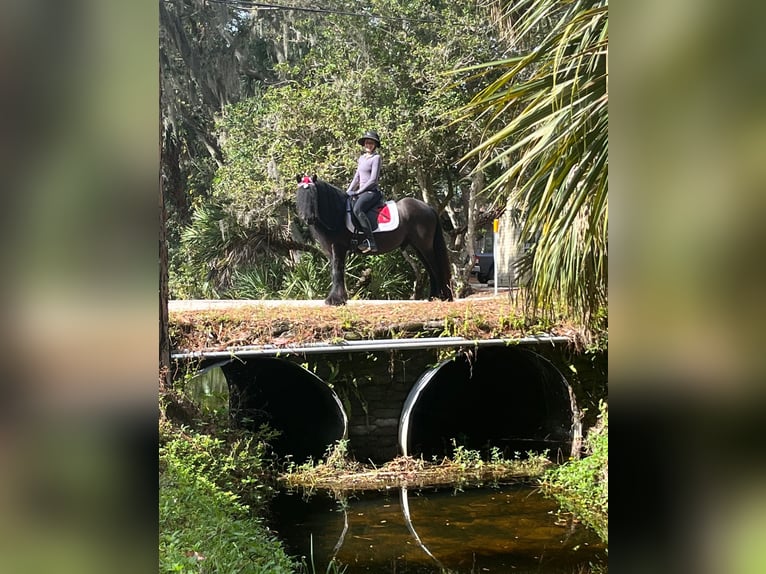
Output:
(503, 397)
(291, 400)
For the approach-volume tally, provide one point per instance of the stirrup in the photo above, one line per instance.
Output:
(367, 247)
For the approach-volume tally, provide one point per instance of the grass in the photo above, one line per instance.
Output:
(215, 485)
(254, 324)
(205, 523)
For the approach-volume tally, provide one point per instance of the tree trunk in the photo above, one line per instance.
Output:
(164, 363)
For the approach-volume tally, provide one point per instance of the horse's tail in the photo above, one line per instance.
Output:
(442, 259)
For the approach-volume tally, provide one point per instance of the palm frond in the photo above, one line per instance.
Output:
(546, 117)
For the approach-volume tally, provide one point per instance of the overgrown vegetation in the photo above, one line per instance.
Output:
(246, 324)
(484, 107)
(554, 146)
(582, 486)
(340, 474)
(213, 485)
(292, 91)
(211, 495)
(216, 483)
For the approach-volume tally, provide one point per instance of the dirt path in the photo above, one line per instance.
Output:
(480, 292)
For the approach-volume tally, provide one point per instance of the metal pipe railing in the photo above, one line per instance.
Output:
(368, 345)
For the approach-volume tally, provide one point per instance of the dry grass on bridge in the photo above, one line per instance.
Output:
(220, 326)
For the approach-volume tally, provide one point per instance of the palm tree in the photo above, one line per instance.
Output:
(546, 109)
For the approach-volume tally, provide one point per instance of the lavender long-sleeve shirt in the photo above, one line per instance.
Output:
(367, 173)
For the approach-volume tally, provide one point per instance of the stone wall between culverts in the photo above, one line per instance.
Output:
(373, 388)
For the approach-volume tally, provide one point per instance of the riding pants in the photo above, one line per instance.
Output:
(361, 204)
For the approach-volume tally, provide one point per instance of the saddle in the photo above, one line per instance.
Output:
(383, 217)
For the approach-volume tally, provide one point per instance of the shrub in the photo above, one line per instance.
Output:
(582, 486)
(204, 524)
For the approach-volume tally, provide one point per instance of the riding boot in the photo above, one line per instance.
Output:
(368, 245)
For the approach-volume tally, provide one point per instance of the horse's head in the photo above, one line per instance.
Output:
(306, 199)
(305, 180)
(319, 202)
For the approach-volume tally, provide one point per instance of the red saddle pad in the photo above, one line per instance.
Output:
(384, 216)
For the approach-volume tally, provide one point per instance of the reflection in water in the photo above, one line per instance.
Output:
(404, 501)
(208, 389)
(511, 528)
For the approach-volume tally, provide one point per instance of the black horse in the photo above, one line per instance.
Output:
(324, 207)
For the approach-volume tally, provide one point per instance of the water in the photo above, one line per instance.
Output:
(511, 528)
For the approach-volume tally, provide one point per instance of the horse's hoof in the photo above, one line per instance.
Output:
(334, 302)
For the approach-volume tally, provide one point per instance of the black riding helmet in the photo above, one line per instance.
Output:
(370, 135)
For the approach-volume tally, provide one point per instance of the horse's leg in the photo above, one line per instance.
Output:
(434, 278)
(439, 287)
(428, 260)
(338, 294)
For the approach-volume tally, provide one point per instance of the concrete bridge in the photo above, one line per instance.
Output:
(413, 396)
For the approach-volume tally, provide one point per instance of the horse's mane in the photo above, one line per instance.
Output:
(321, 203)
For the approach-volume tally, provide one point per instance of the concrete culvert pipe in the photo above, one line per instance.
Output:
(291, 400)
(503, 397)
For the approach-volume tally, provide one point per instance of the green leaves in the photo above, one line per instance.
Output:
(204, 523)
(521, 98)
(547, 113)
(582, 486)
